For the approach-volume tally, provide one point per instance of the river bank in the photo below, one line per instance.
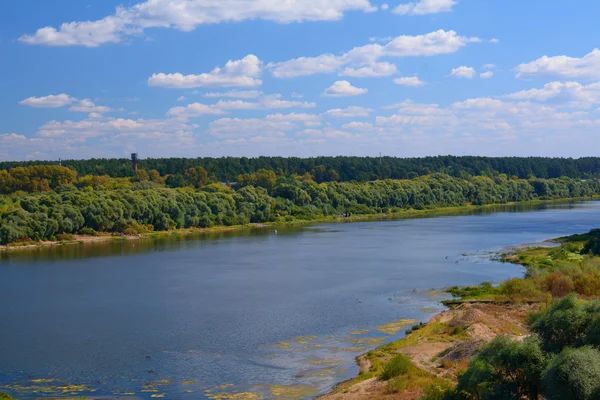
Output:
(439, 351)
(403, 214)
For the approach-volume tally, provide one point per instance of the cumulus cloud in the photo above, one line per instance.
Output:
(52, 101)
(486, 75)
(186, 15)
(348, 112)
(343, 89)
(264, 102)
(413, 81)
(363, 61)
(463, 72)
(62, 100)
(374, 70)
(240, 73)
(424, 7)
(236, 94)
(586, 67)
(88, 106)
(572, 94)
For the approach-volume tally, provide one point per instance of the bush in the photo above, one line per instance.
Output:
(520, 289)
(5, 396)
(562, 325)
(559, 285)
(439, 390)
(505, 369)
(399, 365)
(573, 374)
(88, 232)
(64, 237)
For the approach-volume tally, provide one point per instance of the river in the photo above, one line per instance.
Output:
(255, 314)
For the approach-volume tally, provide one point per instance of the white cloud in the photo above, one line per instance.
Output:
(486, 75)
(348, 112)
(571, 94)
(363, 61)
(424, 7)
(463, 72)
(377, 69)
(384, 7)
(240, 73)
(194, 110)
(489, 66)
(494, 41)
(62, 100)
(88, 106)
(236, 94)
(181, 98)
(343, 89)
(586, 67)
(303, 66)
(52, 101)
(409, 81)
(263, 102)
(186, 15)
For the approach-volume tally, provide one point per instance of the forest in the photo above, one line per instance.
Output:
(361, 169)
(45, 202)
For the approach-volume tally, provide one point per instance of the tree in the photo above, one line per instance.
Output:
(155, 177)
(261, 178)
(574, 374)
(505, 369)
(141, 176)
(563, 324)
(197, 177)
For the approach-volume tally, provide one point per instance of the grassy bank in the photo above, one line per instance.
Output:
(433, 358)
(401, 214)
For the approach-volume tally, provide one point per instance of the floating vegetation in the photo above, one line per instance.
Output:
(394, 327)
(371, 341)
(292, 392)
(186, 383)
(234, 396)
(326, 361)
(429, 310)
(304, 339)
(363, 332)
(283, 345)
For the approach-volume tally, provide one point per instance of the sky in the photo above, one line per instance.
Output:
(210, 78)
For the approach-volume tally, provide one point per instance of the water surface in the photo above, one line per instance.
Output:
(273, 314)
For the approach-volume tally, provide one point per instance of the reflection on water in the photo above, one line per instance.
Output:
(243, 315)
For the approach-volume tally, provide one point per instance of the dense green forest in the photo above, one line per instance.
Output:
(361, 169)
(43, 202)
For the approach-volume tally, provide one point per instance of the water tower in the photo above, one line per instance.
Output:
(134, 161)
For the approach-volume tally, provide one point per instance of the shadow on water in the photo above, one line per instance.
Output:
(178, 241)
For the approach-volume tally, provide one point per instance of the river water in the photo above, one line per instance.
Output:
(248, 315)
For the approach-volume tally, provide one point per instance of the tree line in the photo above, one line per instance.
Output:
(345, 169)
(103, 204)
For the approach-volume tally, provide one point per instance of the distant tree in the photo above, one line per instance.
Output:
(261, 178)
(155, 177)
(197, 177)
(141, 176)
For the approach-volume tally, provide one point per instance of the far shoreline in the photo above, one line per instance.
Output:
(403, 214)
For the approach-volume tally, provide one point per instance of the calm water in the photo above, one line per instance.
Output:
(199, 317)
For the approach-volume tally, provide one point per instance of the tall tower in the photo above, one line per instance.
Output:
(134, 161)
(60, 162)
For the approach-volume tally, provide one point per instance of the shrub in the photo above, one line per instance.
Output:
(88, 232)
(439, 390)
(559, 285)
(573, 374)
(505, 369)
(520, 289)
(399, 365)
(64, 237)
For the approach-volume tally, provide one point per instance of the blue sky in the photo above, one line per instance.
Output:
(193, 78)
